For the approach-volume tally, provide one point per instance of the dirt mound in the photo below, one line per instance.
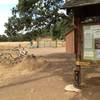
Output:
(20, 59)
(19, 64)
(11, 57)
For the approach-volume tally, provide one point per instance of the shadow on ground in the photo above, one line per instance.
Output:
(62, 65)
(91, 90)
(59, 64)
(64, 68)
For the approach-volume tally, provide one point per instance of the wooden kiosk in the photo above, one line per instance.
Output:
(87, 32)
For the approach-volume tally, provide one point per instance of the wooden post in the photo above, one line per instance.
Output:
(77, 70)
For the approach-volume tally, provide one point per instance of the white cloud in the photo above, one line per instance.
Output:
(8, 1)
(62, 11)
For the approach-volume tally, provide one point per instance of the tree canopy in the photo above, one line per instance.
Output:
(38, 16)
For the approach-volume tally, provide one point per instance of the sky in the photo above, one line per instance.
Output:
(5, 12)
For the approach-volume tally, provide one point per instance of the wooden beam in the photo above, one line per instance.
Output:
(87, 11)
(78, 30)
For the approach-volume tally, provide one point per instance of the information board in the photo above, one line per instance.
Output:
(91, 42)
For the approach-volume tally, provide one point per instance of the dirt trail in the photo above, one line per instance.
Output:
(49, 82)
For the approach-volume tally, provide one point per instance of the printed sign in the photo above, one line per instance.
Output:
(91, 42)
(88, 54)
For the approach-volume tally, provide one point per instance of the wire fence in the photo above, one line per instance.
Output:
(47, 43)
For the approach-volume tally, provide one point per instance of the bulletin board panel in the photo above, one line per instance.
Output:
(91, 47)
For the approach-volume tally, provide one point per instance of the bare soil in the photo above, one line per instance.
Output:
(48, 82)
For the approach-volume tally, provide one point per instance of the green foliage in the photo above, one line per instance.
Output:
(13, 26)
(61, 27)
(3, 38)
(38, 18)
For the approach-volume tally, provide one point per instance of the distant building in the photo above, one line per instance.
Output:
(70, 42)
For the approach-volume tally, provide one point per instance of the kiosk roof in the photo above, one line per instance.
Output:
(79, 3)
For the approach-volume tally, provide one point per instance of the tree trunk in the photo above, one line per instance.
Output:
(56, 43)
(37, 42)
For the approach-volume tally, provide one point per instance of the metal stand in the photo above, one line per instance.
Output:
(77, 76)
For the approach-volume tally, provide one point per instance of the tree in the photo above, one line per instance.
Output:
(3, 38)
(13, 26)
(34, 16)
(39, 14)
(60, 28)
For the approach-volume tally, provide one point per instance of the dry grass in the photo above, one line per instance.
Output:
(29, 65)
(8, 45)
